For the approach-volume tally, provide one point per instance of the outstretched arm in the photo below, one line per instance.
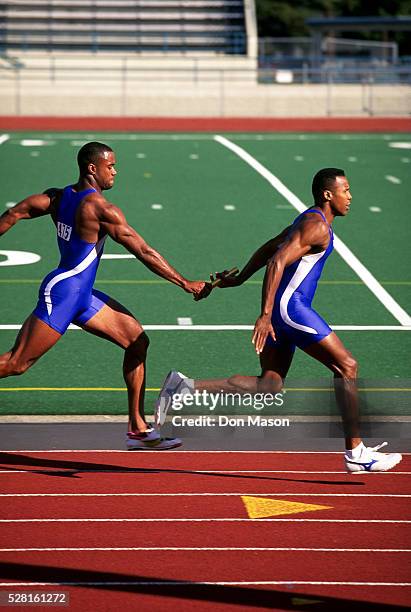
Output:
(306, 236)
(115, 224)
(257, 261)
(31, 207)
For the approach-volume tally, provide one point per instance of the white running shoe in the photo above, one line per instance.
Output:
(174, 383)
(370, 460)
(151, 440)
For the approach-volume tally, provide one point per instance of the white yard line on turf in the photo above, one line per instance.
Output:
(4, 138)
(239, 327)
(201, 520)
(362, 272)
(204, 548)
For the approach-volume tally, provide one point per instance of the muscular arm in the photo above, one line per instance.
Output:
(309, 236)
(114, 223)
(31, 207)
(259, 259)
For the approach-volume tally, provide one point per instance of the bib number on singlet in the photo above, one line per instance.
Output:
(64, 231)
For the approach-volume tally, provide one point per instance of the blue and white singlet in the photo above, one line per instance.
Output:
(295, 322)
(66, 295)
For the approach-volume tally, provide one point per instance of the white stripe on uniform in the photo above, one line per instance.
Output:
(83, 265)
(303, 269)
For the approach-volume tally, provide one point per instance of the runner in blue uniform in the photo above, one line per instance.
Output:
(83, 220)
(294, 261)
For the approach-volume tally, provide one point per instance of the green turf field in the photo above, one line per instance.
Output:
(215, 211)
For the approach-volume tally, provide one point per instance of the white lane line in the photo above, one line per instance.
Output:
(362, 272)
(393, 179)
(179, 583)
(205, 549)
(4, 138)
(375, 209)
(238, 327)
(229, 207)
(201, 520)
(209, 472)
(175, 453)
(243, 493)
(157, 206)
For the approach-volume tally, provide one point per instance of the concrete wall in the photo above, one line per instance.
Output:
(153, 87)
(81, 99)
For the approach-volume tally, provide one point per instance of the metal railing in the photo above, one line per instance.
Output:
(124, 76)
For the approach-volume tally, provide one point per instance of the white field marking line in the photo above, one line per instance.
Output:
(362, 272)
(117, 256)
(258, 494)
(210, 471)
(393, 179)
(184, 321)
(239, 327)
(4, 138)
(204, 548)
(201, 520)
(179, 583)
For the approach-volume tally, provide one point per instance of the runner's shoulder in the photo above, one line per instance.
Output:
(105, 210)
(313, 227)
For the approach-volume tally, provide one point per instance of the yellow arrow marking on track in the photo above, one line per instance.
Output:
(261, 507)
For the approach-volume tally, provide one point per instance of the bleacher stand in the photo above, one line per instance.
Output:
(167, 58)
(180, 26)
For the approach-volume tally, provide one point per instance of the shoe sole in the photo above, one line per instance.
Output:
(364, 471)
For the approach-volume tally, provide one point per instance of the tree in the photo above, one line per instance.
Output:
(281, 18)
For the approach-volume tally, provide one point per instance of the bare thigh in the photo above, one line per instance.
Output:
(331, 352)
(115, 323)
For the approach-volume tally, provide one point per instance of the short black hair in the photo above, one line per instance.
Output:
(90, 153)
(324, 179)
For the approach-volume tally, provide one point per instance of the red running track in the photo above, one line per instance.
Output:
(208, 124)
(374, 577)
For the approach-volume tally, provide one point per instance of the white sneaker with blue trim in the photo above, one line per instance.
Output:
(370, 460)
(151, 440)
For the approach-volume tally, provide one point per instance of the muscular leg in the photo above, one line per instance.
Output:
(275, 363)
(331, 352)
(34, 339)
(115, 323)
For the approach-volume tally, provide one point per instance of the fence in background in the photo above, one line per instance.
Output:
(123, 78)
